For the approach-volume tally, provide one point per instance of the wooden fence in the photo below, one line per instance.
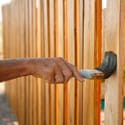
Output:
(71, 29)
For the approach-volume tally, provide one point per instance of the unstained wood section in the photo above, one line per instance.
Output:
(113, 40)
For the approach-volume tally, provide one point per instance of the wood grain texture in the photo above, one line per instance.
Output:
(77, 55)
(89, 40)
(65, 39)
(98, 59)
(81, 61)
(52, 54)
(60, 53)
(40, 53)
(27, 82)
(34, 54)
(46, 45)
(71, 59)
(56, 28)
(113, 40)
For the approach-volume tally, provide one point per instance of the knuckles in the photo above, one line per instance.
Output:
(69, 74)
(56, 70)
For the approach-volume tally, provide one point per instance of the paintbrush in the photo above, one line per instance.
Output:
(104, 70)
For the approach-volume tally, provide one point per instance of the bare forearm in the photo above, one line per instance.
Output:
(13, 68)
(55, 70)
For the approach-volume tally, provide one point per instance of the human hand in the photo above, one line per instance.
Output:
(54, 70)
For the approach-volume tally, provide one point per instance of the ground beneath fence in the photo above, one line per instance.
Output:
(6, 116)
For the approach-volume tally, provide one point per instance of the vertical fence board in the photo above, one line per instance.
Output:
(52, 54)
(26, 55)
(77, 58)
(45, 12)
(21, 52)
(113, 40)
(65, 38)
(81, 56)
(35, 84)
(71, 59)
(49, 54)
(43, 54)
(97, 59)
(56, 44)
(13, 54)
(17, 52)
(30, 55)
(40, 53)
(89, 23)
(60, 53)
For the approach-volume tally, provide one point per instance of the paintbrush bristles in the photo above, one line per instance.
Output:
(105, 70)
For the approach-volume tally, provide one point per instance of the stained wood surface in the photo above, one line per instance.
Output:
(70, 29)
(92, 57)
(65, 39)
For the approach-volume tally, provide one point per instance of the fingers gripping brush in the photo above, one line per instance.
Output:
(105, 70)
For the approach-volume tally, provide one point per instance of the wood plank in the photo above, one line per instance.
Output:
(52, 54)
(59, 53)
(18, 55)
(45, 14)
(27, 55)
(34, 54)
(22, 80)
(16, 43)
(81, 56)
(71, 59)
(89, 40)
(77, 56)
(40, 53)
(49, 54)
(65, 38)
(30, 55)
(98, 58)
(13, 38)
(9, 53)
(56, 50)
(113, 40)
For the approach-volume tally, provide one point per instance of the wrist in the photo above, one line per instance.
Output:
(32, 65)
(26, 66)
(29, 66)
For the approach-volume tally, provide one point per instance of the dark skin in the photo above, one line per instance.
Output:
(54, 70)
